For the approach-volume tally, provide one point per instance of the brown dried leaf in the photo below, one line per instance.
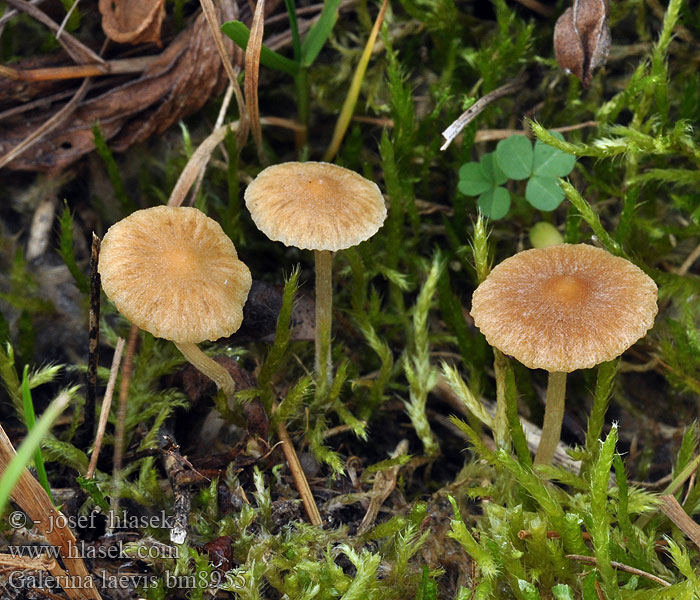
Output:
(179, 82)
(132, 21)
(582, 38)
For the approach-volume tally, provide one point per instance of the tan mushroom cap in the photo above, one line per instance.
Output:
(564, 307)
(315, 205)
(173, 272)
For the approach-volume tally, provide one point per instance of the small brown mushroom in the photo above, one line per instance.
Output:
(321, 207)
(173, 272)
(563, 308)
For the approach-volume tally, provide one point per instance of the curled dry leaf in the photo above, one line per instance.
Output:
(582, 38)
(132, 21)
(177, 83)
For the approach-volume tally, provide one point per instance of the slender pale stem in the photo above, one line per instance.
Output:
(212, 369)
(553, 417)
(324, 307)
(298, 475)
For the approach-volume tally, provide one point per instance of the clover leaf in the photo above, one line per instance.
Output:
(548, 161)
(514, 155)
(516, 159)
(484, 179)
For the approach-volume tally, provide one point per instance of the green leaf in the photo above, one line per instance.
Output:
(562, 591)
(514, 156)
(30, 420)
(544, 193)
(491, 170)
(28, 447)
(472, 180)
(318, 34)
(551, 161)
(239, 33)
(495, 203)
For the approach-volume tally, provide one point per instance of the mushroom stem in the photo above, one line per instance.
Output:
(324, 307)
(212, 369)
(553, 417)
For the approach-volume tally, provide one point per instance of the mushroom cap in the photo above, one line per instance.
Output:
(315, 205)
(564, 307)
(174, 272)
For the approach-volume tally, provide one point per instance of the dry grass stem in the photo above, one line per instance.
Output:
(231, 71)
(475, 109)
(591, 560)
(106, 405)
(300, 481)
(674, 511)
(252, 73)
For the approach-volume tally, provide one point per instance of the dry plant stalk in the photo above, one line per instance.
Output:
(106, 405)
(384, 484)
(33, 500)
(674, 511)
(252, 72)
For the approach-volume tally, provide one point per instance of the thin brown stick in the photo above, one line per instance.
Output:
(475, 109)
(252, 76)
(86, 430)
(300, 481)
(106, 405)
(591, 560)
(56, 120)
(112, 67)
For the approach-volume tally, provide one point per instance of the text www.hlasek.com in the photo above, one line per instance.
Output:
(91, 551)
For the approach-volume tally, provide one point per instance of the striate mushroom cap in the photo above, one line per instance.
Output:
(564, 307)
(173, 272)
(315, 205)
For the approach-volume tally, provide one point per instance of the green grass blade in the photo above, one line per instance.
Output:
(239, 33)
(318, 34)
(30, 420)
(27, 448)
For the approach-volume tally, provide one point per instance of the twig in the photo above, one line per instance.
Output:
(475, 109)
(300, 481)
(591, 560)
(674, 511)
(113, 67)
(106, 405)
(86, 431)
